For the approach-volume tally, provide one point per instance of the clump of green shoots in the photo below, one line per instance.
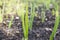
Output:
(24, 17)
(25, 23)
(56, 23)
(8, 9)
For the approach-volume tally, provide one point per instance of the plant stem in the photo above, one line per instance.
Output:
(32, 15)
(43, 15)
(55, 26)
(26, 21)
(10, 23)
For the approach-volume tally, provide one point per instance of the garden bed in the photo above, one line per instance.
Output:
(29, 20)
(40, 31)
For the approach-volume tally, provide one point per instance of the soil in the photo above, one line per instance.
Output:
(40, 31)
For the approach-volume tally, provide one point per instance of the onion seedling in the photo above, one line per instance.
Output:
(56, 24)
(25, 23)
(10, 23)
(24, 18)
(42, 12)
(53, 10)
(47, 3)
(43, 15)
(32, 15)
(1, 16)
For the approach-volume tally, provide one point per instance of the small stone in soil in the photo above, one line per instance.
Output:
(17, 18)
